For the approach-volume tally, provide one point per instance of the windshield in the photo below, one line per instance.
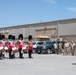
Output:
(40, 43)
(34, 43)
(47, 43)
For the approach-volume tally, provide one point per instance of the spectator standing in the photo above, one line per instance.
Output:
(66, 48)
(56, 48)
(60, 47)
(72, 48)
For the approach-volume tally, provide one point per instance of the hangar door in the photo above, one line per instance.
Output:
(45, 34)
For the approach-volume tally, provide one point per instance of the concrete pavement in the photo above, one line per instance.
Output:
(41, 64)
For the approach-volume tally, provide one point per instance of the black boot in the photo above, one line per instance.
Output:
(21, 56)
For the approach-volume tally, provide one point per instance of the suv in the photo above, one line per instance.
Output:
(45, 47)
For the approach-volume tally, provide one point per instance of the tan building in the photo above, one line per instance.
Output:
(65, 28)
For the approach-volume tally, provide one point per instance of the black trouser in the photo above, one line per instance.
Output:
(1, 55)
(30, 52)
(11, 56)
(20, 54)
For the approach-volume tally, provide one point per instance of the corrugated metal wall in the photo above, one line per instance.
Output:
(63, 28)
(67, 29)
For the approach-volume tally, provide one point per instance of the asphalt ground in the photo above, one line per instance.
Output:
(41, 64)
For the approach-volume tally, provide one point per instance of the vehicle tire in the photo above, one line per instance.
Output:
(39, 52)
(49, 51)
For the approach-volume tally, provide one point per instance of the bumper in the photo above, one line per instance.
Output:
(40, 51)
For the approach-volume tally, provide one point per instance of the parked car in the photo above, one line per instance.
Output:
(45, 47)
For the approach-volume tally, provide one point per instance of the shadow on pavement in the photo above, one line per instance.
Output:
(73, 63)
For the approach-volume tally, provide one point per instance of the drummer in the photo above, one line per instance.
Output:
(20, 44)
(1, 47)
(10, 46)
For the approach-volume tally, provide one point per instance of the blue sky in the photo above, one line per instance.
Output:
(17, 12)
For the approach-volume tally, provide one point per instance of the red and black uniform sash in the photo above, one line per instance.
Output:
(9, 44)
(20, 44)
(30, 46)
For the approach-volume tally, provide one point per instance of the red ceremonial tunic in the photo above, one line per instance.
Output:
(1, 44)
(9, 44)
(20, 44)
(30, 46)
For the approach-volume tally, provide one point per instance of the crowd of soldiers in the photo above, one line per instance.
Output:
(12, 46)
(65, 48)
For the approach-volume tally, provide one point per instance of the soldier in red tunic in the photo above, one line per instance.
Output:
(20, 45)
(3, 39)
(10, 46)
(30, 46)
(14, 48)
(1, 47)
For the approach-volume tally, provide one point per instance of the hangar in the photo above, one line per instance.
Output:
(64, 28)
